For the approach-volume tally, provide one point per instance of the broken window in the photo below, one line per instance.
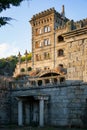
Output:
(60, 38)
(60, 52)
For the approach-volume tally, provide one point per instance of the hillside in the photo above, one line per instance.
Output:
(7, 65)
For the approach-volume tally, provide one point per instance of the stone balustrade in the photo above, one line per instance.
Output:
(38, 82)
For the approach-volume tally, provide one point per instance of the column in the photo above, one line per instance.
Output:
(58, 81)
(20, 118)
(41, 118)
(51, 81)
(43, 82)
(36, 82)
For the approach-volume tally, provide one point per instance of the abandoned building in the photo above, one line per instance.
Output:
(51, 89)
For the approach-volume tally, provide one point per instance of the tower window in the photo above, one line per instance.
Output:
(60, 38)
(38, 57)
(60, 52)
(38, 44)
(46, 55)
(38, 31)
(46, 42)
(47, 29)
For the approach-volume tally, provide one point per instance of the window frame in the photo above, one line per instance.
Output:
(47, 29)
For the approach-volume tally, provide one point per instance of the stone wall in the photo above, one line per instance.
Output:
(67, 105)
(5, 100)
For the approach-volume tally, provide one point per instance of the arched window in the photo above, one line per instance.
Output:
(60, 52)
(22, 70)
(29, 68)
(60, 38)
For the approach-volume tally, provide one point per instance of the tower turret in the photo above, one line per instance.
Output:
(63, 12)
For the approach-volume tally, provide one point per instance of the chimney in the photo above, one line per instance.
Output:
(63, 11)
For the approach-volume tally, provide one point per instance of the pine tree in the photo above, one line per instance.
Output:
(5, 4)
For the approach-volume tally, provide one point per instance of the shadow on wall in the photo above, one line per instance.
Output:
(84, 116)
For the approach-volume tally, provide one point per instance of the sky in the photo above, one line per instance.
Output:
(16, 36)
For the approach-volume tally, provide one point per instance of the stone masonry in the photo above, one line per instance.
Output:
(54, 90)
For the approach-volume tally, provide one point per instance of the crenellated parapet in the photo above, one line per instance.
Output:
(43, 13)
(42, 18)
(71, 25)
(47, 16)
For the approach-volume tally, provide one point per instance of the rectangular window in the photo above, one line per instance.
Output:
(38, 31)
(46, 55)
(37, 44)
(47, 29)
(46, 42)
(38, 57)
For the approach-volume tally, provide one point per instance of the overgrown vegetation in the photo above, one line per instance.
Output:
(7, 65)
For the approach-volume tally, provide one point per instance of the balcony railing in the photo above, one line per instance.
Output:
(38, 82)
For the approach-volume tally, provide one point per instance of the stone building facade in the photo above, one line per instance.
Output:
(54, 91)
(58, 43)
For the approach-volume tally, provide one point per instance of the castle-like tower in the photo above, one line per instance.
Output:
(44, 43)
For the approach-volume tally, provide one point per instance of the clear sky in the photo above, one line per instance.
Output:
(16, 36)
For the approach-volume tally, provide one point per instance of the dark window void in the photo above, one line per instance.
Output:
(29, 68)
(60, 65)
(40, 82)
(60, 38)
(49, 74)
(22, 70)
(60, 52)
(62, 79)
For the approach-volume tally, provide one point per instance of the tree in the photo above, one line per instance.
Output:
(5, 4)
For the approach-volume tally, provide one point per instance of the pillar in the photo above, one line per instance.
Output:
(58, 81)
(43, 82)
(41, 118)
(51, 81)
(20, 113)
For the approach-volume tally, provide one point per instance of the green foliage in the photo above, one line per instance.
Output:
(22, 70)
(2, 63)
(4, 20)
(7, 65)
(24, 58)
(5, 4)
(29, 68)
(29, 56)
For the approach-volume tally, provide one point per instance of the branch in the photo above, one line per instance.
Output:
(4, 20)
